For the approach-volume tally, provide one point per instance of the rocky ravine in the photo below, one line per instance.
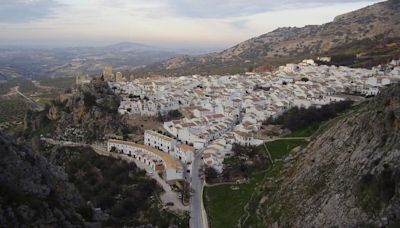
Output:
(33, 191)
(349, 176)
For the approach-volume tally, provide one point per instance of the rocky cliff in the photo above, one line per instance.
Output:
(348, 176)
(33, 192)
(89, 114)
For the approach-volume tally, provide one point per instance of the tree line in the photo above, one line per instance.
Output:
(297, 118)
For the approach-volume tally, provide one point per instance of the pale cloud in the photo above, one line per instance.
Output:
(218, 8)
(19, 11)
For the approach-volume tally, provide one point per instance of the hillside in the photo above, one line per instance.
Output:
(54, 186)
(33, 191)
(348, 176)
(353, 34)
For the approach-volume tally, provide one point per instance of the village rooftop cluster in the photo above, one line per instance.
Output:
(222, 110)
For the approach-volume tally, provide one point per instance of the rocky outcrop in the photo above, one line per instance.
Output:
(54, 113)
(33, 192)
(348, 176)
(88, 114)
(34, 120)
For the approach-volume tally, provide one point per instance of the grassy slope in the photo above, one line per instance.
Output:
(225, 206)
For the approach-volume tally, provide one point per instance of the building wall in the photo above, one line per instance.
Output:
(170, 174)
(159, 143)
(183, 156)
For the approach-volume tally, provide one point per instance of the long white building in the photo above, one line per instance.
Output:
(170, 168)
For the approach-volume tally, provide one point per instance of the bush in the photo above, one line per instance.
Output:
(171, 115)
(89, 100)
(211, 174)
(248, 151)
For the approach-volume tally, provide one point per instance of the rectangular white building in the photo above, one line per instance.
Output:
(159, 141)
(184, 153)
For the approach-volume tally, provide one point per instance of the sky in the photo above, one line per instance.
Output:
(168, 23)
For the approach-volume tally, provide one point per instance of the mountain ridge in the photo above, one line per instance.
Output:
(378, 23)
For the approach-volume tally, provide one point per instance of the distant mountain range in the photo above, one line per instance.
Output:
(361, 38)
(57, 62)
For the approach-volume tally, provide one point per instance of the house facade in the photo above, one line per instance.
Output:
(160, 162)
(159, 141)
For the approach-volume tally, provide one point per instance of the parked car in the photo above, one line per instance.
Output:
(169, 204)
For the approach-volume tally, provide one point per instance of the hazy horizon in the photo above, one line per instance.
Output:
(170, 23)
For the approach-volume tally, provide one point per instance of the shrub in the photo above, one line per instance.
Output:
(89, 100)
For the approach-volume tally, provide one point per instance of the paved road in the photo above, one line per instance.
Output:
(198, 214)
(34, 105)
(198, 217)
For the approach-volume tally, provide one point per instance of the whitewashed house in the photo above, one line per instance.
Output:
(184, 152)
(159, 141)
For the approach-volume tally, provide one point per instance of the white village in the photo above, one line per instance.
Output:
(219, 111)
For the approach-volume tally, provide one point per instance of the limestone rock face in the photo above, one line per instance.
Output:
(34, 192)
(89, 114)
(349, 176)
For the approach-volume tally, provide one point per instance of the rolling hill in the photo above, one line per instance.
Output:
(61, 62)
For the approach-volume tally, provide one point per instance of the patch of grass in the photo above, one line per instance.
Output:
(225, 206)
(305, 132)
(281, 148)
